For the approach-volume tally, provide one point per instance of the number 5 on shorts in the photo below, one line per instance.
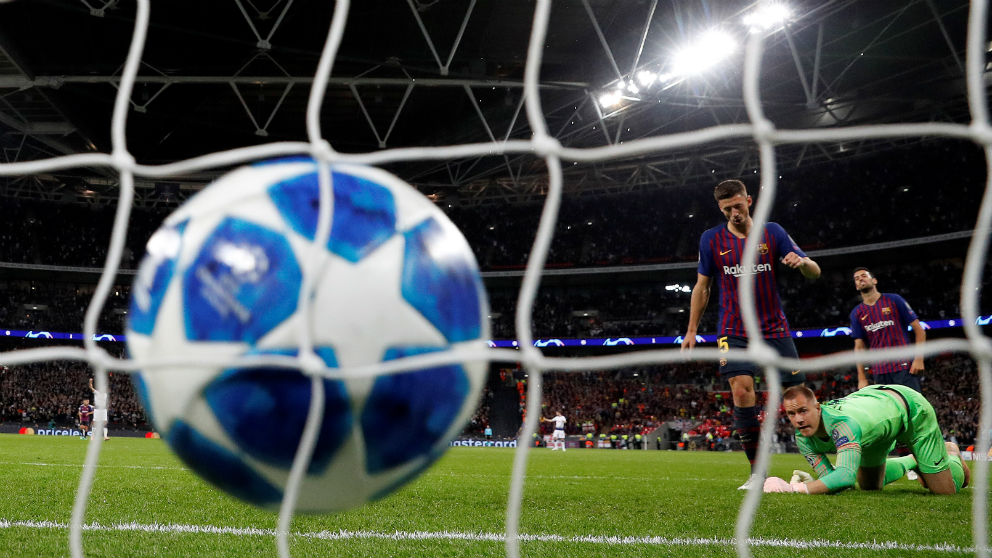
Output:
(722, 344)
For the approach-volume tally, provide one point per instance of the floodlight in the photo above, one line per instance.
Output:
(767, 17)
(711, 48)
(609, 99)
(646, 77)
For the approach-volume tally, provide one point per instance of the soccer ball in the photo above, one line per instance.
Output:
(221, 278)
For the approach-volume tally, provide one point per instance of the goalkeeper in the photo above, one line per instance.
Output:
(862, 428)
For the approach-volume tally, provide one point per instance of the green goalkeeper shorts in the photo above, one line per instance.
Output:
(923, 436)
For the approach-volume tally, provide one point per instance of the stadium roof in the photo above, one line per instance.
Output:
(219, 75)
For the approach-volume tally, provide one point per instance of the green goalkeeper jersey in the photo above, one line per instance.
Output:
(861, 427)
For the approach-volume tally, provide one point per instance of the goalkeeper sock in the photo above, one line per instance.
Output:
(749, 430)
(957, 472)
(896, 467)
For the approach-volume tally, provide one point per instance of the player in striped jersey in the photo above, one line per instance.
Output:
(883, 320)
(862, 428)
(85, 414)
(720, 255)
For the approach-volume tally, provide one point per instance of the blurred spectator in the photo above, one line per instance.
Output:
(622, 402)
(605, 230)
(636, 401)
(50, 393)
(618, 229)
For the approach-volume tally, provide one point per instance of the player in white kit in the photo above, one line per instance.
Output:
(558, 436)
(100, 414)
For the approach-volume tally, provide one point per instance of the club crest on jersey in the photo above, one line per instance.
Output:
(886, 310)
(763, 248)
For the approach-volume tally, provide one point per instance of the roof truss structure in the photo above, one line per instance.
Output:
(215, 78)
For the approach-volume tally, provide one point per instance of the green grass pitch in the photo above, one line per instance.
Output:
(577, 503)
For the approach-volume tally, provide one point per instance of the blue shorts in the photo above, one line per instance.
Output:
(782, 345)
(900, 378)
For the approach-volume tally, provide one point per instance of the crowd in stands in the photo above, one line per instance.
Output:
(70, 234)
(481, 418)
(55, 306)
(619, 310)
(49, 394)
(690, 398)
(892, 196)
(889, 196)
(952, 389)
(650, 309)
(636, 401)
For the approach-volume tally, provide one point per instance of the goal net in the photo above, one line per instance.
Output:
(758, 130)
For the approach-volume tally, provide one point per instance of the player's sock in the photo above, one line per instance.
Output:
(957, 472)
(749, 430)
(896, 467)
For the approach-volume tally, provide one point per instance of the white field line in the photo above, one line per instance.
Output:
(507, 475)
(496, 537)
(459, 475)
(80, 466)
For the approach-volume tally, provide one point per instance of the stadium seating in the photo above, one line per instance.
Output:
(661, 226)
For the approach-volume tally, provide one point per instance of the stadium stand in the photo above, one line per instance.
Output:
(620, 303)
(656, 227)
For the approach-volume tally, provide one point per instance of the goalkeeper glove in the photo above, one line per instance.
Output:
(800, 476)
(775, 484)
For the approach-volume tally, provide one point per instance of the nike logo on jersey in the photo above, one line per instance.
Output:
(726, 252)
(938, 462)
(865, 317)
(794, 372)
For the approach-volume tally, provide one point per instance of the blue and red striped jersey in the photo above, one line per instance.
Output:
(884, 324)
(720, 255)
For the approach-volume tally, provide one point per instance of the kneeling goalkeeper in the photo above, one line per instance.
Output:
(862, 428)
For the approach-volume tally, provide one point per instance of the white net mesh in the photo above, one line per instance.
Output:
(760, 130)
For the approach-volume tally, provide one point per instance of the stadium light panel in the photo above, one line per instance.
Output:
(711, 48)
(767, 17)
(609, 99)
(646, 78)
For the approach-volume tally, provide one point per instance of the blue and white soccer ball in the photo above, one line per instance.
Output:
(221, 278)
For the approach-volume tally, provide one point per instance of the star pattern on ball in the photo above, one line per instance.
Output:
(362, 310)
